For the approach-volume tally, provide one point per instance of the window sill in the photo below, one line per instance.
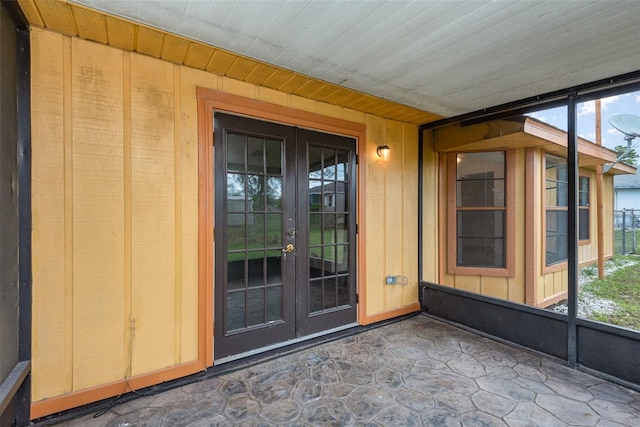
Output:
(555, 267)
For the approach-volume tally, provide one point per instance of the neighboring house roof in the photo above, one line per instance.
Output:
(627, 181)
(519, 132)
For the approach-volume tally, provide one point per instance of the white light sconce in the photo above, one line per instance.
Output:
(383, 152)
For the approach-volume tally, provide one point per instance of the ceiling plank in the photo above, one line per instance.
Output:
(149, 41)
(241, 68)
(277, 78)
(121, 33)
(220, 62)
(293, 83)
(174, 49)
(31, 12)
(91, 24)
(260, 73)
(198, 55)
(58, 16)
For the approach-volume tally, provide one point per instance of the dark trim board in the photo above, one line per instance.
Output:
(23, 88)
(536, 329)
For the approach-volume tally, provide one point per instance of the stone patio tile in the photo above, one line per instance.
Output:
(528, 414)
(569, 390)
(282, 411)
(431, 383)
(492, 403)
(534, 386)
(568, 410)
(276, 384)
(144, 417)
(306, 391)
(614, 393)
(439, 417)
(325, 373)
(390, 378)
(367, 402)
(505, 388)
(325, 412)
(481, 419)
(466, 365)
(525, 370)
(353, 374)
(414, 400)
(239, 408)
(454, 402)
(614, 411)
(494, 360)
(399, 416)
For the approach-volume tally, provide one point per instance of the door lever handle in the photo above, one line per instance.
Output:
(288, 248)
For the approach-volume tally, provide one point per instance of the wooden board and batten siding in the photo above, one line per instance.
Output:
(117, 284)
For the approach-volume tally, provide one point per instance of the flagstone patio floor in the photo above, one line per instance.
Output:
(415, 372)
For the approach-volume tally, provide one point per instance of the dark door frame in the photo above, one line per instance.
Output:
(297, 321)
(210, 100)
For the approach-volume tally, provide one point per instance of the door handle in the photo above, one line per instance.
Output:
(288, 248)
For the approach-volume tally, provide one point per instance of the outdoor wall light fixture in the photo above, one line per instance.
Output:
(383, 152)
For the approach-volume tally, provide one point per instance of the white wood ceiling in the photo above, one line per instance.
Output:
(446, 57)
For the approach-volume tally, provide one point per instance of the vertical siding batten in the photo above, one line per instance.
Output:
(68, 213)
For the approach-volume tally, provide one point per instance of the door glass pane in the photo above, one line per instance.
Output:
(274, 156)
(274, 267)
(342, 259)
(315, 296)
(315, 196)
(342, 165)
(235, 231)
(343, 290)
(255, 268)
(330, 293)
(274, 303)
(235, 152)
(329, 260)
(255, 154)
(255, 307)
(329, 170)
(274, 193)
(255, 228)
(235, 310)
(329, 235)
(255, 190)
(235, 192)
(274, 230)
(235, 270)
(342, 235)
(315, 162)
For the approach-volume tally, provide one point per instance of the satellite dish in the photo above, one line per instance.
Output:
(629, 124)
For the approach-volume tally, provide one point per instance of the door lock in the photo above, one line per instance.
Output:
(288, 248)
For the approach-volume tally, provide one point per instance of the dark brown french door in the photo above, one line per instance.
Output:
(285, 234)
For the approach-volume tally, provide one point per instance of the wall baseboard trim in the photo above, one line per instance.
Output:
(412, 308)
(74, 399)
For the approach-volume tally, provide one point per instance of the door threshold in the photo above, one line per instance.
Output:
(287, 343)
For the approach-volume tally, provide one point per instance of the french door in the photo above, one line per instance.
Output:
(285, 250)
